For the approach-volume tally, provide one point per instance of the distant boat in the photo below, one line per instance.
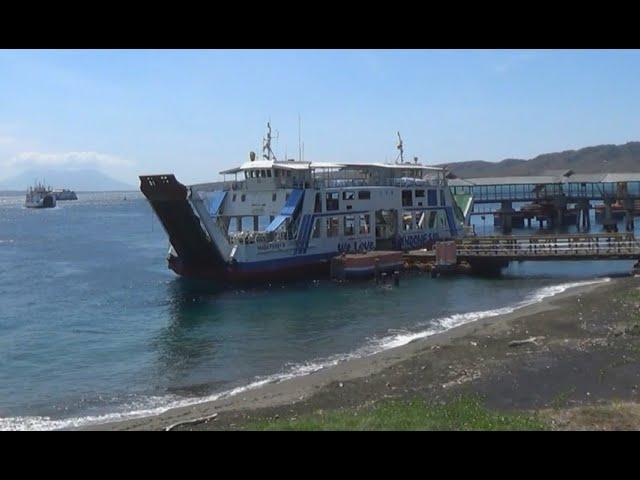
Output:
(65, 194)
(40, 196)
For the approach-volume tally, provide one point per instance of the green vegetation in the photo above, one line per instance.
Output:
(462, 413)
(561, 400)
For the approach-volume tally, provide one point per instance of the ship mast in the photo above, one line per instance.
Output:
(267, 152)
(401, 148)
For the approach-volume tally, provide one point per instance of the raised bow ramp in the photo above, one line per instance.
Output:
(169, 199)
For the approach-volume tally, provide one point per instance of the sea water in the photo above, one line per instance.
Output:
(94, 327)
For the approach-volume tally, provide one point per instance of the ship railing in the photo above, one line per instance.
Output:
(248, 237)
(388, 182)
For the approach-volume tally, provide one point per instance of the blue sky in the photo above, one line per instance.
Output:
(197, 112)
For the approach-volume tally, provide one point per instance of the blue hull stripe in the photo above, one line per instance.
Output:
(277, 264)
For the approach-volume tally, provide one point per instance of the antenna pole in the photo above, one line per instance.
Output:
(299, 139)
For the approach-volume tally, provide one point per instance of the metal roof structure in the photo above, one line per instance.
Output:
(297, 165)
(547, 179)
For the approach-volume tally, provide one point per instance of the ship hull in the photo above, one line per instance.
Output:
(281, 270)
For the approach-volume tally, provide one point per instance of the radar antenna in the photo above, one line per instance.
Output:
(267, 152)
(401, 148)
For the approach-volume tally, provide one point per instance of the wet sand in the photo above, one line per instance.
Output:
(581, 350)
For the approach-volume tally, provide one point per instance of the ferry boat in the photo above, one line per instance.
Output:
(65, 194)
(271, 219)
(40, 196)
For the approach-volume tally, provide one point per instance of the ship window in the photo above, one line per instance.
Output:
(364, 195)
(432, 198)
(407, 221)
(288, 173)
(333, 202)
(316, 228)
(263, 173)
(269, 173)
(246, 174)
(365, 224)
(419, 193)
(233, 199)
(317, 207)
(349, 225)
(420, 220)
(348, 195)
(333, 226)
(274, 196)
(276, 172)
(432, 219)
(243, 197)
(407, 198)
(442, 199)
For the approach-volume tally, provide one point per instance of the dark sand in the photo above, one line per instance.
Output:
(582, 371)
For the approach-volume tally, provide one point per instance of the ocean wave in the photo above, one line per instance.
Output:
(157, 405)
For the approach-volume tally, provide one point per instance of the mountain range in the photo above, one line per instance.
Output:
(88, 180)
(598, 159)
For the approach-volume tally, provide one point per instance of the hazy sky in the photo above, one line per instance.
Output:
(197, 112)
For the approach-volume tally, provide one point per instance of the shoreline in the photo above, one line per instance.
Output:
(302, 389)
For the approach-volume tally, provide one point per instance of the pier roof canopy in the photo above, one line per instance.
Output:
(547, 179)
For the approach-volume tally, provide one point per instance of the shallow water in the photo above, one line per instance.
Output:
(93, 326)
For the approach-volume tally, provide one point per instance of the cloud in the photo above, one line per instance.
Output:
(6, 140)
(68, 160)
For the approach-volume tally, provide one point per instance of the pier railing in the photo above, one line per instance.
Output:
(548, 247)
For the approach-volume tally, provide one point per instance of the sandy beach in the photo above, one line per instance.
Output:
(562, 356)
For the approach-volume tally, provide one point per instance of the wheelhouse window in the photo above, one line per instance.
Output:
(332, 201)
(269, 173)
(432, 198)
(347, 195)
(349, 225)
(442, 198)
(316, 228)
(364, 195)
(407, 198)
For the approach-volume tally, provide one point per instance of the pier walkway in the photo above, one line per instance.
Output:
(490, 254)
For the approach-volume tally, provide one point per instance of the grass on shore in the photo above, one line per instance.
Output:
(462, 413)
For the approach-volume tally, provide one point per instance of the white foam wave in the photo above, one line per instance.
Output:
(158, 405)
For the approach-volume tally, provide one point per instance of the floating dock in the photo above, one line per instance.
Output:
(369, 264)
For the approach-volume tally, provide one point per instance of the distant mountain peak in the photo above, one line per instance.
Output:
(595, 159)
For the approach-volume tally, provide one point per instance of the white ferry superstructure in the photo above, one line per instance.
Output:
(281, 219)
